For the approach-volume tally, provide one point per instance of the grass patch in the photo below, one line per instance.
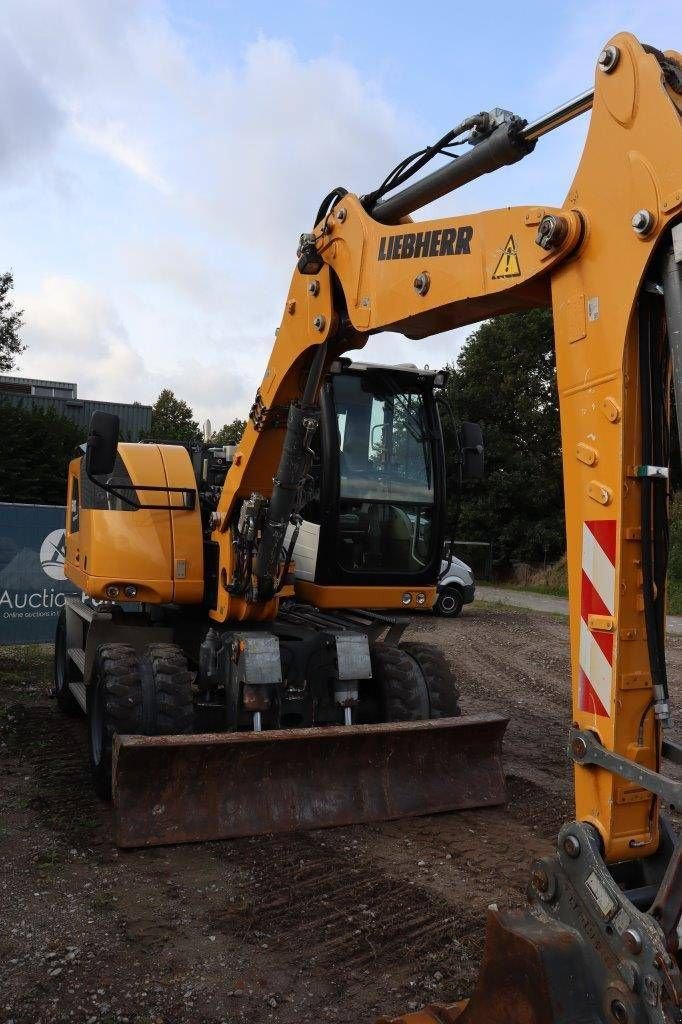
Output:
(26, 665)
(553, 580)
(675, 597)
(50, 858)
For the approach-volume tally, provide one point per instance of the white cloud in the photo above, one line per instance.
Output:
(74, 333)
(275, 131)
(29, 120)
(111, 138)
(201, 179)
(216, 172)
(174, 266)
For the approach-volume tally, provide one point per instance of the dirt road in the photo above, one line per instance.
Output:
(336, 925)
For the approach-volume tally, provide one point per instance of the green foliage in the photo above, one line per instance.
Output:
(229, 433)
(34, 457)
(10, 325)
(504, 379)
(675, 562)
(173, 420)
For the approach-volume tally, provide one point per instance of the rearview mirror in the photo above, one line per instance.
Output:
(100, 451)
(472, 451)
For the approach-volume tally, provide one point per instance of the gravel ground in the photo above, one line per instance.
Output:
(337, 925)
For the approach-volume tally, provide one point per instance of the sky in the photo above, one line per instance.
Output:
(158, 161)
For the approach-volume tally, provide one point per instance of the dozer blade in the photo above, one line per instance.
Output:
(184, 789)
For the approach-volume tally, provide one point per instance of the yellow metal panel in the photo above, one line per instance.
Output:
(599, 398)
(187, 557)
(143, 547)
(123, 546)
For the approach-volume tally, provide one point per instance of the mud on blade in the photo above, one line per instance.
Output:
(181, 789)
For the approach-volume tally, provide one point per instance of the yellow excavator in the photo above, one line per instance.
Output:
(248, 595)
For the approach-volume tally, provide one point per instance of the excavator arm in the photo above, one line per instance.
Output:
(609, 263)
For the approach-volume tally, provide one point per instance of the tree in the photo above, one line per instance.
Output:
(173, 420)
(505, 379)
(34, 457)
(10, 325)
(229, 433)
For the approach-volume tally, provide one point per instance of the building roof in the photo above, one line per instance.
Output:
(33, 393)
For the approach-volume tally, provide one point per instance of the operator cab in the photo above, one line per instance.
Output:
(376, 506)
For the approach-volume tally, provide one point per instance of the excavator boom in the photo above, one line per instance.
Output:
(601, 940)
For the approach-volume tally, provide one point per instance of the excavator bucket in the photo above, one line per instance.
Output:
(183, 789)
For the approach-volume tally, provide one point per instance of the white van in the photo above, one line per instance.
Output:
(456, 587)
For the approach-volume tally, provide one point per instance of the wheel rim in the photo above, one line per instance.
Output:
(96, 725)
(448, 603)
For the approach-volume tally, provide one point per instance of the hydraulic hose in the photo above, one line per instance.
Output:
(672, 295)
(505, 145)
(302, 422)
(653, 501)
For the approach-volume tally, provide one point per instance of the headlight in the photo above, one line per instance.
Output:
(130, 591)
(407, 598)
(421, 598)
(112, 591)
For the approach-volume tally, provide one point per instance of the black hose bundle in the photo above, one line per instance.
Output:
(654, 374)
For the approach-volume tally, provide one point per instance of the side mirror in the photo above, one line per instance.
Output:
(472, 451)
(100, 451)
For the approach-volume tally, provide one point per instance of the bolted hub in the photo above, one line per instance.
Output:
(619, 1011)
(633, 940)
(544, 881)
(314, 288)
(642, 222)
(572, 846)
(422, 283)
(608, 59)
(552, 230)
(578, 748)
(319, 323)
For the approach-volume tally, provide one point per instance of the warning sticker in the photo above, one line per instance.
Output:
(508, 264)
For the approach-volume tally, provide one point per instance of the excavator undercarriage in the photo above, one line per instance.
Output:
(375, 734)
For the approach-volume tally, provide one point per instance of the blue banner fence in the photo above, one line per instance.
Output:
(33, 587)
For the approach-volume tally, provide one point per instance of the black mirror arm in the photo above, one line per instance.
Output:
(189, 494)
(110, 490)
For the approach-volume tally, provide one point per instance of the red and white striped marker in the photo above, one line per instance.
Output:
(598, 597)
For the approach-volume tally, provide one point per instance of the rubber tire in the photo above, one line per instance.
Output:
(174, 704)
(443, 694)
(114, 705)
(116, 701)
(66, 701)
(403, 693)
(454, 602)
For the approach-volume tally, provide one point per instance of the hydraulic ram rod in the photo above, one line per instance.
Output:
(506, 144)
(566, 112)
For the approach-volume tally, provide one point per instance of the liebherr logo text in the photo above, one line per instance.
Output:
(418, 244)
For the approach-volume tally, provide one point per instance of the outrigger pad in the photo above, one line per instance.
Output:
(184, 789)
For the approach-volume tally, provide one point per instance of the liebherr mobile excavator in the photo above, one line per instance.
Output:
(252, 594)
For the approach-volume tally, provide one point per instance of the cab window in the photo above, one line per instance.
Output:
(96, 497)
